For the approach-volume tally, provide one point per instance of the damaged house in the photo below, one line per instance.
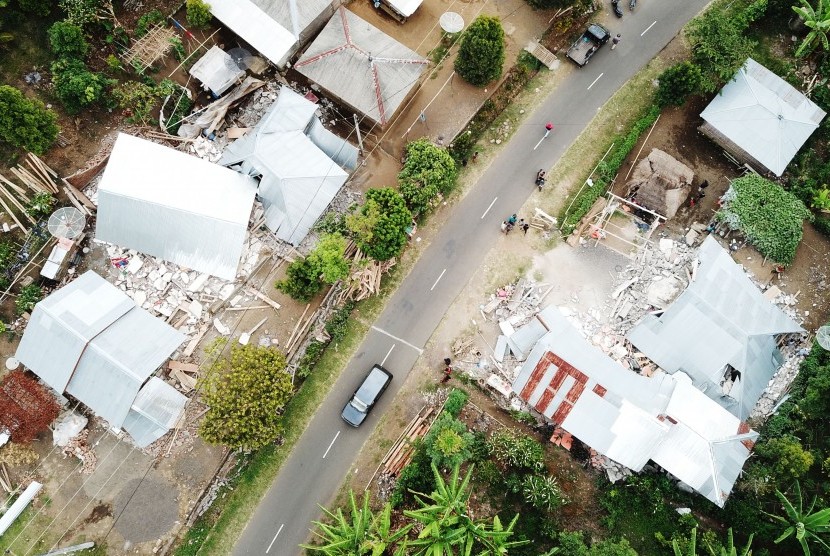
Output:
(629, 418)
(91, 341)
(362, 67)
(720, 332)
(660, 183)
(760, 119)
(299, 163)
(168, 204)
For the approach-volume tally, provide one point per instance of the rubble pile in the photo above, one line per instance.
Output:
(613, 470)
(80, 448)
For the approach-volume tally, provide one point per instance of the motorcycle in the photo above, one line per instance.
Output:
(632, 4)
(617, 10)
(540, 179)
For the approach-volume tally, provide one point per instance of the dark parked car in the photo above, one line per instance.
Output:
(366, 396)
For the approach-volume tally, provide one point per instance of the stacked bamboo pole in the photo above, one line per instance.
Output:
(401, 453)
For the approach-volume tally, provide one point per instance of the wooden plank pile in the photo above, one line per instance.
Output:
(402, 451)
(366, 276)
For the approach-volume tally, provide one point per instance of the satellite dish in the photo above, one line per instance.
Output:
(241, 57)
(823, 337)
(66, 222)
(451, 22)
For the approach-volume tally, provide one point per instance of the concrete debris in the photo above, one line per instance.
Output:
(80, 448)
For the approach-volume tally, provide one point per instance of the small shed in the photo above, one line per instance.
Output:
(91, 341)
(400, 10)
(276, 28)
(363, 67)
(760, 119)
(217, 71)
(168, 204)
(720, 332)
(298, 170)
(660, 183)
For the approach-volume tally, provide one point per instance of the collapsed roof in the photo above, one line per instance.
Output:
(362, 66)
(276, 28)
(661, 183)
(91, 341)
(296, 160)
(720, 331)
(168, 204)
(630, 418)
(760, 118)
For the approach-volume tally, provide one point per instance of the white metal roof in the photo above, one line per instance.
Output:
(764, 115)
(171, 205)
(630, 418)
(154, 411)
(297, 179)
(362, 66)
(256, 27)
(720, 319)
(90, 340)
(216, 70)
(405, 7)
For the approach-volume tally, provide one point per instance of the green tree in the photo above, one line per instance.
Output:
(817, 20)
(448, 442)
(198, 13)
(363, 533)
(481, 54)
(446, 525)
(678, 83)
(806, 526)
(770, 217)
(719, 46)
(302, 280)
(66, 40)
(379, 225)
(246, 393)
(26, 123)
(39, 8)
(328, 257)
(28, 297)
(428, 171)
(788, 459)
(76, 86)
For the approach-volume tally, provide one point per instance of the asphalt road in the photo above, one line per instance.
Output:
(322, 457)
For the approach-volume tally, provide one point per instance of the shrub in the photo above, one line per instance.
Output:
(448, 442)
(720, 45)
(788, 459)
(17, 454)
(481, 55)
(428, 171)
(66, 40)
(75, 86)
(329, 259)
(417, 476)
(456, 402)
(137, 100)
(26, 123)
(379, 225)
(40, 205)
(768, 216)
(81, 12)
(302, 280)
(28, 297)
(542, 492)
(146, 21)
(37, 7)
(517, 451)
(198, 13)
(678, 83)
(313, 352)
(337, 324)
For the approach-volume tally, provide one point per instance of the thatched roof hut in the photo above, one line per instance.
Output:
(660, 183)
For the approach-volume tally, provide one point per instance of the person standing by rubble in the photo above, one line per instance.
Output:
(447, 370)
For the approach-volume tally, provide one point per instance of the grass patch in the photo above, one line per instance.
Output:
(23, 532)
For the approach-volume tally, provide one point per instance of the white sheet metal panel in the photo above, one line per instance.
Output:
(257, 28)
(361, 65)
(295, 15)
(19, 505)
(155, 411)
(405, 7)
(174, 206)
(216, 70)
(764, 115)
(65, 322)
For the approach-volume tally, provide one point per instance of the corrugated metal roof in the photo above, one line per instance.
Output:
(216, 70)
(764, 115)
(720, 319)
(155, 411)
(297, 179)
(257, 28)
(362, 66)
(405, 7)
(294, 15)
(174, 206)
(630, 418)
(90, 340)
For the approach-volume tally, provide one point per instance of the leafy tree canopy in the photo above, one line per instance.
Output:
(428, 170)
(448, 442)
(26, 123)
(66, 40)
(678, 83)
(246, 393)
(770, 217)
(719, 46)
(76, 86)
(379, 225)
(329, 259)
(198, 13)
(481, 55)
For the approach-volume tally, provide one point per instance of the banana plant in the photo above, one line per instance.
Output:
(817, 20)
(807, 525)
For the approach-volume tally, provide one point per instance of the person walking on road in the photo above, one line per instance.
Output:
(615, 41)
